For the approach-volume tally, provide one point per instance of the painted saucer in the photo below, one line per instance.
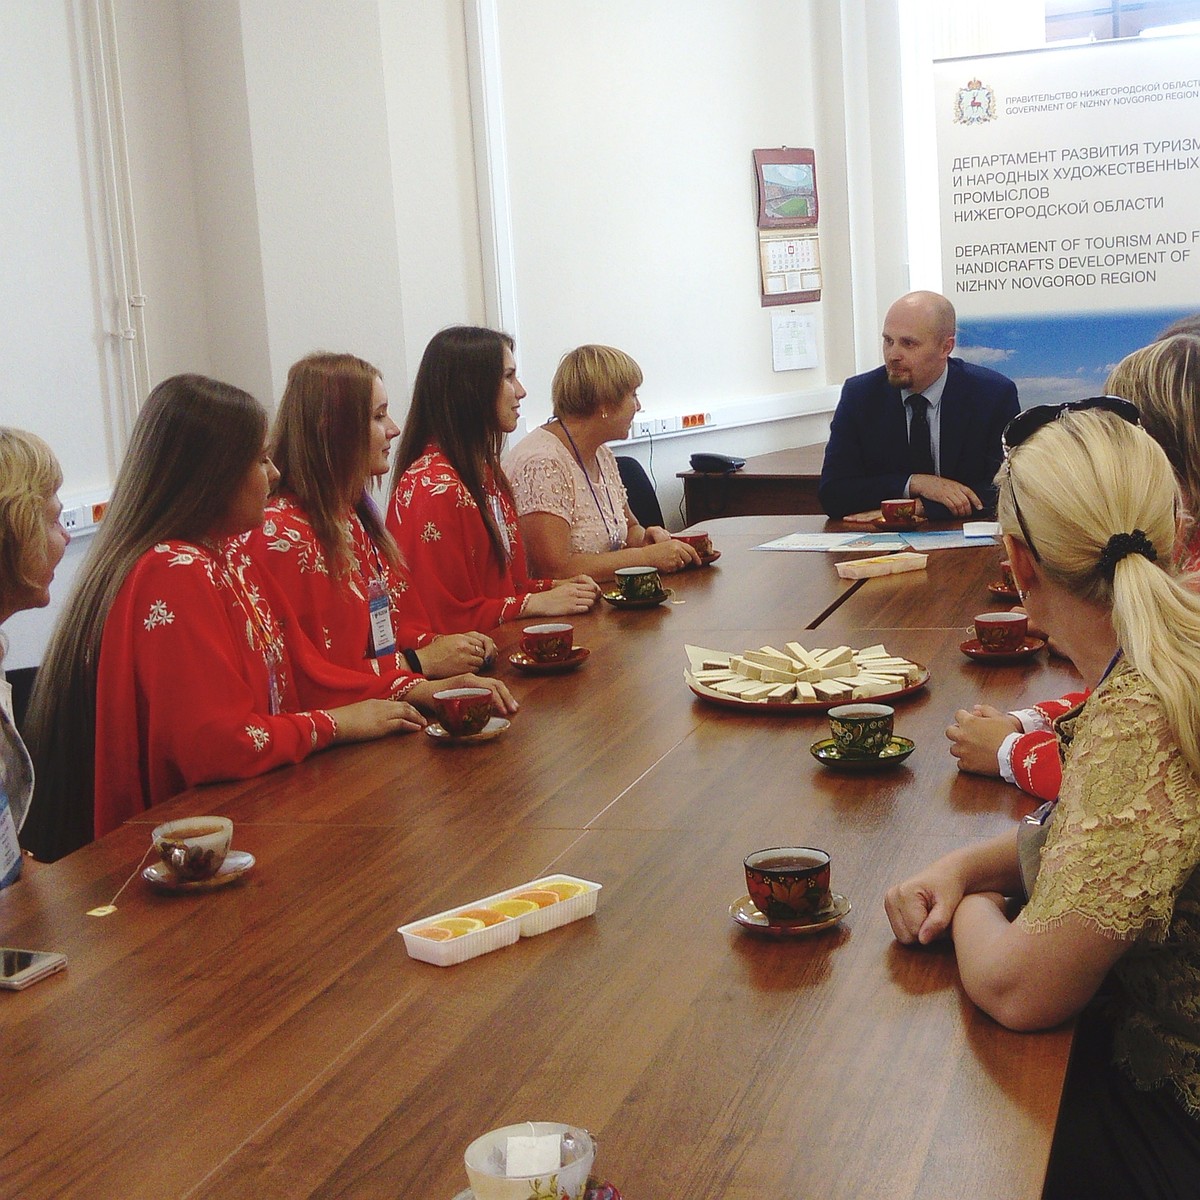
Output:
(493, 729)
(882, 523)
(973, 648)
(706, 560)
(523, 662)
(748, 917)
(594, 1189)
(619, 601)
(1002, 591)
(896, 751)
(236, 864)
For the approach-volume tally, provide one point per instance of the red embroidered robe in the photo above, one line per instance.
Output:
(334, 613)
(183, 690)
(443, 538)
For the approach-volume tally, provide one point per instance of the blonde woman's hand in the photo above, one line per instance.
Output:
(371, 719)
(670, 555)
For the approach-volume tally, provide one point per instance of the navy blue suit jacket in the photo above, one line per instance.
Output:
(866, 460)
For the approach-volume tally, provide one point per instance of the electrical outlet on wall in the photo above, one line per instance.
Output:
(75, 519)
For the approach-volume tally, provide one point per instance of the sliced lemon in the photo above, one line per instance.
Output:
(562, 888)
(489, 916)
(513, 907)
(459, 925)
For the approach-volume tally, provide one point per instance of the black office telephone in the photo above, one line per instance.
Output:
(716, 464)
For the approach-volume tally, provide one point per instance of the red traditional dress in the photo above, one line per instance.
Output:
(1033, 759)
(335, 613)
(443, 538)
(205, 675)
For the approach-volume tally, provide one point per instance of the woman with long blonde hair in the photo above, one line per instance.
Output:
(1163, 382)
(1087, 505)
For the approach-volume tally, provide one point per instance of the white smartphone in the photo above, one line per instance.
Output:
(20, 968)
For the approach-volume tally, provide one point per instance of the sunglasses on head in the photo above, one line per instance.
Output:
(1025, 424)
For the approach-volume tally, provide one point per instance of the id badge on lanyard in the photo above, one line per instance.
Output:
(379, 605)
(10, 849)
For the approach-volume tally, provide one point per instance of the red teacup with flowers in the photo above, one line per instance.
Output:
(788, 884)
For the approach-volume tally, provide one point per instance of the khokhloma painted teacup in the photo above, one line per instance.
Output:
(193, 848)
(1001, 632)
(788, 883)
(549, 643)
(464, 711)
(638, 583)
(485, 1162)
(861, 730)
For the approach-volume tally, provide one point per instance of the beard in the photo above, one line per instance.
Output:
(899, 378)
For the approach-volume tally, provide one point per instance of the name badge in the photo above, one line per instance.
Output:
(10, 848)
(379, 605)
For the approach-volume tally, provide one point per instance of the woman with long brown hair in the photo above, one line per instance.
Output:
(176, 661)
(452, 511)
(324, 540)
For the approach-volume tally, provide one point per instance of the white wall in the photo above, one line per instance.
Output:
(433, 172)
(55, 305)
(629, 130)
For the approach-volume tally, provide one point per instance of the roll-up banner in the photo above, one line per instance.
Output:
(1069, 184)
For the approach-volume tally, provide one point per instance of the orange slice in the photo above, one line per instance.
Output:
(435, 933)
(489, 916)
(562, 888)
(542, 897)
(512, 907)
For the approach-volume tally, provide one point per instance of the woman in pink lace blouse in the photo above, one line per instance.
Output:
(575, 518)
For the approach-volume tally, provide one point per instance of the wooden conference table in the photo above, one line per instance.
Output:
(784, 481)
(271, 1039)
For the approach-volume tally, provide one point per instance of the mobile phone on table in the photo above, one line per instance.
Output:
(20, 968)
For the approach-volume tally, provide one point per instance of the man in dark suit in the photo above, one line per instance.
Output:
(923, 425)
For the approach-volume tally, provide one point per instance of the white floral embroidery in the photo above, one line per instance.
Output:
(431, 533)
(259, 736)
(160, 614)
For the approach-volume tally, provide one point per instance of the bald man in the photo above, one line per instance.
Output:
(923, 425)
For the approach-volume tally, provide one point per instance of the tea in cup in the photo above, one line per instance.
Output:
(789, 883)
(638, 583)
(861, 730)
(899, 512)
(487, 1160)
(1001, 632)
(193, 848)
(548, 643)
(464, 711)
(700, 542)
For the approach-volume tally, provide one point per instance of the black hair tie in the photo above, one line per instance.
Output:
(1122, 544)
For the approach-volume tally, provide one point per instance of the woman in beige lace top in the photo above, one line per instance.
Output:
(1112, 924)
(575, 519)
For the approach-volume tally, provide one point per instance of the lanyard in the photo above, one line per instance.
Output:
(613, 531)
(269, 641)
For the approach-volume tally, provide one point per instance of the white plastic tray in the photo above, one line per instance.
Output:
(503, 933)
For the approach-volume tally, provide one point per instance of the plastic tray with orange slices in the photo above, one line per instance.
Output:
(445, 938)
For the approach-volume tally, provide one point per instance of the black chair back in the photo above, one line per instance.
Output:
(643, 502)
